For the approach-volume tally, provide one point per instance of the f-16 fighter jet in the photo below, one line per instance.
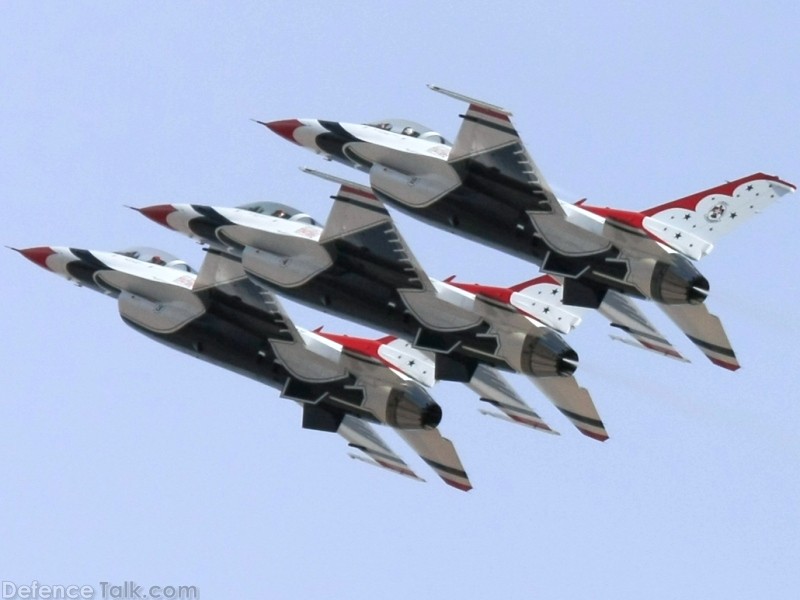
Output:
(358, 266)
(221, 317)
(486, 187)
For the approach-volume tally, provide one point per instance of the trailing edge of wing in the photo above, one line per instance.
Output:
(575, 403)
(705, 331)
(362, 437)
(494, 389)
(440, 454)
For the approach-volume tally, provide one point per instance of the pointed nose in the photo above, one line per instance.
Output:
(39, 255)
(285, 128)
(158, 213)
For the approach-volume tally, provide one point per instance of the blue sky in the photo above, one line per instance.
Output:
(125, 460)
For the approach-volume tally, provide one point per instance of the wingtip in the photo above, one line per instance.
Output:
(600, 437)
(459, 485)
(725, 365)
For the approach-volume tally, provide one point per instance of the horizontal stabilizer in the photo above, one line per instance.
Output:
(575, 403)
(494, 389)
(623, 314)
(361, 436)
(542, 298)
(440, 454)
(693, 225)
(705, 331)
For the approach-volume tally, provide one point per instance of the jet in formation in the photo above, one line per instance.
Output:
(357, 266)
(485, 186)
(342, 383)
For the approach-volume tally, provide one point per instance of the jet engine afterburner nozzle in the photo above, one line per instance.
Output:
(411, 407)
(678, 282)
(548, 355)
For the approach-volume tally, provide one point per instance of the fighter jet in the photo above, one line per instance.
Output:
(486, 187)
(221, 317)
(358, 266)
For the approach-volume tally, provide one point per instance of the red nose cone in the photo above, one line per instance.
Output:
(39, 255)
(285, 128)
(158, 213)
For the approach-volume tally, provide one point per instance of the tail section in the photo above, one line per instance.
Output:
(693, 225)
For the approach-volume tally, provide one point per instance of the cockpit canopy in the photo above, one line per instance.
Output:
(282, 211)
(411, 129)
(157, 257)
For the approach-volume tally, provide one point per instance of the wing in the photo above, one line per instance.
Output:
(359, 220)
(575, 403)
(362, 437)
(705, 331)
(221, 279)
(693, 225)
(491, 156)
(623, 314)
(439, 453)
(494, 389)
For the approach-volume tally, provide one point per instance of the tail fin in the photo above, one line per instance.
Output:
(693, 225)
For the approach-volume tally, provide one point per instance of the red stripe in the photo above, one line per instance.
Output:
(600, 437)
(357, 192)
(489, 112)
(724, 365)
(464, 487)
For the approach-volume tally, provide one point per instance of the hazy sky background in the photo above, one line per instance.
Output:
(122, 459)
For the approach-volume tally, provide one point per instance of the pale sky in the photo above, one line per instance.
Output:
(124, 460)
